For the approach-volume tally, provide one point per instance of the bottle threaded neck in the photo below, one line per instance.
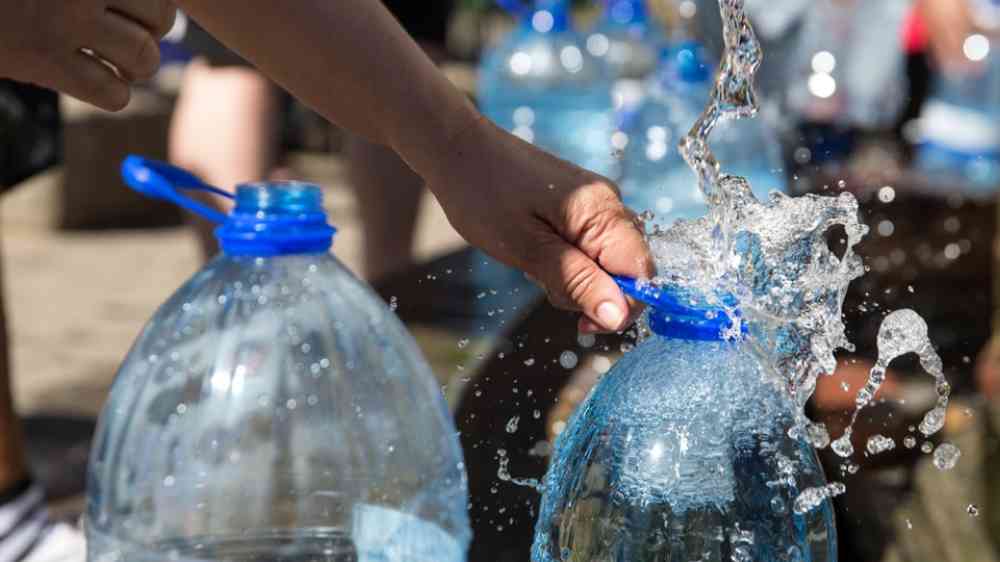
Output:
(279, 198)
(275, 219)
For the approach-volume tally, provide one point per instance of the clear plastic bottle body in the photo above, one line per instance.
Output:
(274, 409)
(655, 176)
(546, 87)
(629, 43)
(681, 453)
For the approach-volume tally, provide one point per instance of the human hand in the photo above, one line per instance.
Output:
(949, 23)
(48, 43)
(564, 226)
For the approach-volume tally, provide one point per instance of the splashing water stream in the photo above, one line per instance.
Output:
(774, 259)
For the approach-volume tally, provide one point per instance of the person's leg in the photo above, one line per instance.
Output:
(388, 194)
(224, 129)
(13, 463)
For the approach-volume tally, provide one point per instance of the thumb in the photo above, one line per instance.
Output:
(575, 281)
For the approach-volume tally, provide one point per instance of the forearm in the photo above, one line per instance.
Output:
(353, 63)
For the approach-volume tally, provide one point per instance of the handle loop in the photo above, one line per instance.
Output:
(160, 180)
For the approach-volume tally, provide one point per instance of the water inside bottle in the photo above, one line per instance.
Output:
(776, 259)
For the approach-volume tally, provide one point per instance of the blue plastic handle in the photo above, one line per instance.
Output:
(160, 180)
(656, 297)
(669, 316)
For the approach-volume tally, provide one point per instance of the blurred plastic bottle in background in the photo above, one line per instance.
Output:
(273, 409)
(850, 70)
(656, 178)
(542, 84)
(682, 452)
(959, 142)
(629, 42)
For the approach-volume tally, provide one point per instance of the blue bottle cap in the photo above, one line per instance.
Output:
(687, 62)
(626, 12)
(542, 16)
(269, 219)
(671, 315)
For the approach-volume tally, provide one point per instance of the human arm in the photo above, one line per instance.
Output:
(353, 63)
(42, 42)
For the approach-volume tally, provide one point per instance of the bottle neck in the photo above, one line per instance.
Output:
(548, 16)
(276, 219)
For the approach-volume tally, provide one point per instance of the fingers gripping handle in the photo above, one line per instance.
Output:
(160, 180)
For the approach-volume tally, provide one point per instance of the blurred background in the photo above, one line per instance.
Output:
(895, 101)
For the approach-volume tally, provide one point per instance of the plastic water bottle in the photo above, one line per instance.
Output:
(852, 67)
(273, 409)
(959, 144)
(655, 177)
(542, 84)
(629, 42)
(681, 452)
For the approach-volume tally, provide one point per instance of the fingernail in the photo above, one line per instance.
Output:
(610, 315)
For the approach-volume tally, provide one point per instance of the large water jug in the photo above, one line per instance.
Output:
(542, 84)
(629, 42)
(273, 409)
(681, 452)
(959, 144)
(655, 177)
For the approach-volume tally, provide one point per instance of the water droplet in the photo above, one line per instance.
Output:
(586, 341)
(972, 510)
(463, 343)
(811, 498)
(843, 446)
(512, 424)
(568, 360)
(927, 447)
(909, 441)
(879, 444)
(778, 504)
(529, 362)
(946, 456)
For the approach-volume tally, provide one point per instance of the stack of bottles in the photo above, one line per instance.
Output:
(959, 143)
(656, 178)
(543, 84)
(273, 409)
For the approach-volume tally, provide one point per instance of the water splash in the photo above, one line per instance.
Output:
(503, 473)
(902, 332)
(773, 260)
(811, 498)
